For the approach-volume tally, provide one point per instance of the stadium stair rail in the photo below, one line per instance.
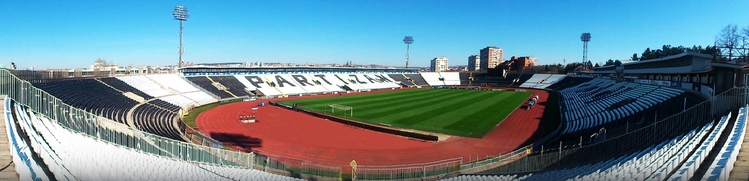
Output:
(409, 79)
(130, 95)
(275, 86)
(443, 78)
(201, 89)
(514, 80)
(214, 83)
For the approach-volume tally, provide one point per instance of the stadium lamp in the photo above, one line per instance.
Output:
(585, 37)
(181, 14)
(408, 40)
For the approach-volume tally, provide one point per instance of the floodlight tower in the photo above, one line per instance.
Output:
(408, 40)
(585, 38)
(180, 14)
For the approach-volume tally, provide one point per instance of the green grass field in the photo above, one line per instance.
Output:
(468, 113)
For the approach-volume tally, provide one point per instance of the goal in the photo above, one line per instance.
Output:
(342, 110)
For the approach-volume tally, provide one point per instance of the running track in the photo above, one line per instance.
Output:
(284, 133)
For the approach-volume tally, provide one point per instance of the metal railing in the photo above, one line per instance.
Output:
(523, 159)
(637, 139)
(204, 150)
(92, 125)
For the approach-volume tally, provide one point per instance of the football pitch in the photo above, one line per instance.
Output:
(468, 113)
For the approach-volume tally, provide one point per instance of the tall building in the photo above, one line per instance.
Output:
(474, 63)
(438, 64)
(527, 61)
(491, 56)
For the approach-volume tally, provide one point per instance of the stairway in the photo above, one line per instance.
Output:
(9, 170)
(443, 78)
(741, 167)
(216, 84)
(409, 79)
(274, 87)
(130, 95)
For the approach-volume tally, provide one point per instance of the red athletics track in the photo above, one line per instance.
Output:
(284, 133)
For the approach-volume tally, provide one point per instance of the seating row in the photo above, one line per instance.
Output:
(156, 120)
(693, 161)
(601, 101)
(534, 80)
(451, 78)
(433, 78)
(92, 96)
(26, 165)
(724, 162)
(171, 88)
(402, 79)
(418, 79)
(298, 84)
(654, 162)
(94, 159)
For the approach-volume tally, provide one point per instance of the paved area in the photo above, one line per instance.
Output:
(741, 167)
(7, 167)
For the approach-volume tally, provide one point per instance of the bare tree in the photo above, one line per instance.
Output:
(745, 44)
(728, 39)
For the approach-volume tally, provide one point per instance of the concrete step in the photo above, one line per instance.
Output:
(9, 173)
(741, 167)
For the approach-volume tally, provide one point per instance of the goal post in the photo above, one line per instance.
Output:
(344, 108)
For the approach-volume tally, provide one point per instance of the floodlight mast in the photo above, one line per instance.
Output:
(181, 14)
(585, 38)
(408, 40)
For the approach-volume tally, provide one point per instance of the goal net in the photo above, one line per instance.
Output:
(342, 110)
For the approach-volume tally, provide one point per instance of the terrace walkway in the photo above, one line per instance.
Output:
(741, 167)
(7, 167)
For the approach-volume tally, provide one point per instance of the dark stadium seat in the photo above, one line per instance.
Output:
(124, 87)
(418, 79)
(486, 79)
(464, 78)
(155, 119)
(615, 104)
(207, 84)
(98, 98)
(90, 95)
(235, 87)
(402, 79)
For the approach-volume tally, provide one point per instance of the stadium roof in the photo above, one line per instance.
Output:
(683, 63)
(701, 55)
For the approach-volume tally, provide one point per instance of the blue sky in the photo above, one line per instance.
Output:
(71, 34)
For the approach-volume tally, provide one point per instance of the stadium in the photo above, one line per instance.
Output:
(672, 118)
(264, 94)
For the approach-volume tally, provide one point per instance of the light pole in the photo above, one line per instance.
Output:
(408, 40)
(180, 14)
(585, 38)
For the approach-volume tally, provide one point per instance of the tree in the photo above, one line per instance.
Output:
(610, 62)
(647, 54)
(597, 65)
(728, 39)
(570, 67)
(634, 58)
(666, 50)
(744, 43)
